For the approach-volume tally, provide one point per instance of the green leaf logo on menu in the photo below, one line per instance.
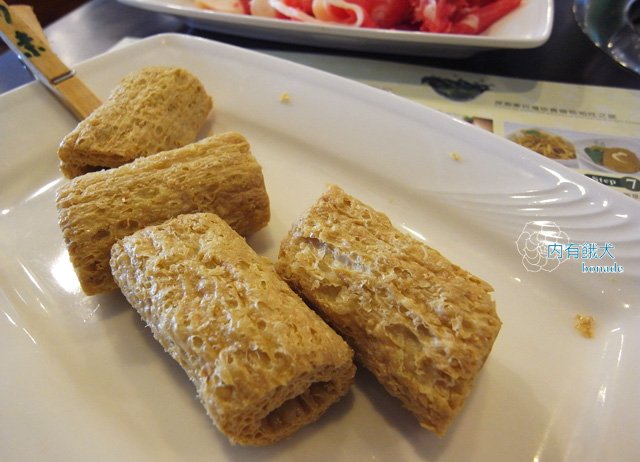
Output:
(455, 89)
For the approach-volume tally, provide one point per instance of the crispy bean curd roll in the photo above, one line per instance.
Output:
(262, 362)
(152, 110)
(421, 324)
(218, 174)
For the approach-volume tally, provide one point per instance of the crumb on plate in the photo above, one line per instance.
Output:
(585, 325)
(284, 97)
(455, 156)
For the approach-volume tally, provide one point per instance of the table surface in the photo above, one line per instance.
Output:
(568, 57)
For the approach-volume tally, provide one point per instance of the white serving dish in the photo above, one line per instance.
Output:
(527, 27)
(83, 379)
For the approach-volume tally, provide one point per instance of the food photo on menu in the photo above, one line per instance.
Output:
(237, 234)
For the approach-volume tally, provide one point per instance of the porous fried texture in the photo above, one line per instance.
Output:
(152, 110)
(263, 363)
(421, 324)
(218, 174)
(74, 170)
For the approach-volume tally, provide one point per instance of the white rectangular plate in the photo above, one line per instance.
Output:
(83, 379)
(529, 26)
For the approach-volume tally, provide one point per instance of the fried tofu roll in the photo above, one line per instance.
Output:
(218, 174)
(421, 324)
(155, 109)
(263, 363)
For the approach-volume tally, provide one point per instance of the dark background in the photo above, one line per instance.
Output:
(47, 11)
(50, 10)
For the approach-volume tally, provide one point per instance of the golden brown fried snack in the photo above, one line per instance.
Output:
(262, 362)
(421, 324)
(155, 109)
(218, 174)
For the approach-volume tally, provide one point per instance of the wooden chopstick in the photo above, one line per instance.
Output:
(21, 30)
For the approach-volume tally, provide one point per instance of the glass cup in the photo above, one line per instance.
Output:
(614, 26)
